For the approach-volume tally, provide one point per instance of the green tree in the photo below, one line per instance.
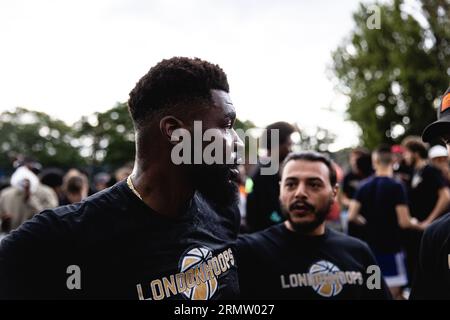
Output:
(394, 75)
(37, 135)
(244, 125)
(319, 140)
(107, 137)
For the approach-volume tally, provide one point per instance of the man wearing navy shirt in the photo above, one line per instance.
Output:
(381, 205)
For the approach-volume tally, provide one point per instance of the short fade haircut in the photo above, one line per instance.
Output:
(360, 151)
(284, 130)
(314, 157)
(175, 82)
(384, 154)
(415, 145)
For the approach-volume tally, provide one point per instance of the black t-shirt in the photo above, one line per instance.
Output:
(350, 184)
(280, 264)
(263, 204)
(424, 191)
(378, 197)
(433, 273)
(122, 249)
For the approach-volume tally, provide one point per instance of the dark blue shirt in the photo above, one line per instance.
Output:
(379, 197)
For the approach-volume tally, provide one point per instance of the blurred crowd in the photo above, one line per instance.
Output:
(32, 189)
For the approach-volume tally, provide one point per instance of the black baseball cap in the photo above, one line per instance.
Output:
(442, 125)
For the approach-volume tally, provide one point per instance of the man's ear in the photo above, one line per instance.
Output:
(168, 125)
(335, 191)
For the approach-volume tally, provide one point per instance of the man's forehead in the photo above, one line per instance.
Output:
(305, 169)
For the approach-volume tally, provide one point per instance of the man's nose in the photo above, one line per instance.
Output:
(300, 192)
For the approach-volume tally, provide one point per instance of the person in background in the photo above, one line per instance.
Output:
(334, 219)
(402, 171)
(101, 181)
(24, 198)
(438, 156)
(365, 170)
(428, 196)
(241, 180)
(263, 208)
(381, 205)
(53, 177)
(75, 187)
(353, 177)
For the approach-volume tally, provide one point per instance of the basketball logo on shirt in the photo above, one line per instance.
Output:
(325, 278)
(191, 260)
(196, 277)
(326, 288)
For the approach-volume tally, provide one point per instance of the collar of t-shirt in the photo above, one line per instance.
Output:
(298, 236)
(190, 207)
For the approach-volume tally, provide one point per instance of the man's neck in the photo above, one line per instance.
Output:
(319, 231)
(420, 163)
(163, 187)
(384, 172)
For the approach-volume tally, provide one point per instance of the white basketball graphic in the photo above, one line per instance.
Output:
(327, 289)
(193, 258)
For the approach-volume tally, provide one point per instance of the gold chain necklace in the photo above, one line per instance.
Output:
(132, 188)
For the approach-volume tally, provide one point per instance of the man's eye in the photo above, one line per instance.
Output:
(289, 185)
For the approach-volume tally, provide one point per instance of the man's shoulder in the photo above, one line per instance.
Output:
(439, 230)
(262, 237)
(63, 222)
(430, 171)
(9, 192)
(382, 181)
(366, 184)
(344, 241)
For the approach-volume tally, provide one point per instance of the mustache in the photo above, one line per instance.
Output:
(301, 205)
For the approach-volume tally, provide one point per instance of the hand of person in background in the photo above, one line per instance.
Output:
(26, 188)
(415, 224)
(360, 220)
(424, 224)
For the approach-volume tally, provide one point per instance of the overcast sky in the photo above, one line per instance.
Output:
(72, 58)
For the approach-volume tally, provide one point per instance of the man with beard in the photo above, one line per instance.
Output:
(164, 233)
(428, 196)
(301, 258)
